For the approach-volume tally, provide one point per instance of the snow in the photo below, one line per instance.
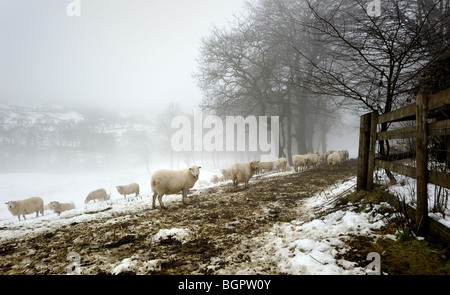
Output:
(298, 247)
(406, 189)
(310, 248)
(179, 234)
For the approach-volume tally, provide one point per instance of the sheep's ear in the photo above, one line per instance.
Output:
(190, 169)
(199, 167)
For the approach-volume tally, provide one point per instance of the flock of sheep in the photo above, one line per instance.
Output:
(167, 182)
(36, 204)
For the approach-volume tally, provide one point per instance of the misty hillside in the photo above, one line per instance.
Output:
(32, 137)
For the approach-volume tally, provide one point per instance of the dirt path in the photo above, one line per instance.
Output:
(221, 225)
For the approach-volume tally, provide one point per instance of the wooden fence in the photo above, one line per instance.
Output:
(425, 125)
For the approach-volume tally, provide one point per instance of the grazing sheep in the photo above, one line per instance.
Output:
(226, 173)
(27, 206)
(243, 173)
(298, 161)
(168, 182)
(281, 164)
(129, 189)
(266, 166)
(334, 159)
(99, 194)
(58, 207)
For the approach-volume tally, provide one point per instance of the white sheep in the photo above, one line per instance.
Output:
(242, 172)
(312, 159)
(58, 207)
(27, 206)
(168, 182)
(266, 166)
(334, 159)
(99, 194)
(298, 161)
(128, 189)
(226, 173)
(215, 179)
(281, 164)
(323, 157)
(344, 155)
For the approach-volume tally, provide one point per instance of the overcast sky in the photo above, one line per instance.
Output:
(126, 54)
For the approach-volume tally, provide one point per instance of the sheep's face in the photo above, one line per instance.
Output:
(11, 204)
(119, 189)
(195, 171)
(254, 165)
(53, 205)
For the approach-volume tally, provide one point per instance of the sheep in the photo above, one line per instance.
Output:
(129, 189)
(344, 155)
(242, 172)
(27, 206)
(266, 166)
(167, 182)
(312, 159)
(99, 194)
(281, 164)
(334, 159)
(298, 161)
(58, 207)
(323, 157)
(226, 173)
(215, 179)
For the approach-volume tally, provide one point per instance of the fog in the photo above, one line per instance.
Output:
(98, 90)
(126, 55)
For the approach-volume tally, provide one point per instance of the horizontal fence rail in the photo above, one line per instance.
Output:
(424, 124)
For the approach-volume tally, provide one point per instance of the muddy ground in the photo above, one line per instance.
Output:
(221, 224)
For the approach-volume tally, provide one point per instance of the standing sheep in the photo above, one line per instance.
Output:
(281, 164)
(58, 207)
(168, 182)
(299, 161)
(312, 159)
(226, 173)
(243, 173)
(99, 194)
(266, 166)
(27, 206)
(334, 159)
(129, 189)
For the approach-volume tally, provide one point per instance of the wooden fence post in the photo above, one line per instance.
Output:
(372, 147)
(363, 152)
(421, 163)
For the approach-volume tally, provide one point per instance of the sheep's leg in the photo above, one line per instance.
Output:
(154, 199)
(184, 196)
(160, 201)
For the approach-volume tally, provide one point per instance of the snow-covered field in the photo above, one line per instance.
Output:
(73, 187)
(306, 245)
